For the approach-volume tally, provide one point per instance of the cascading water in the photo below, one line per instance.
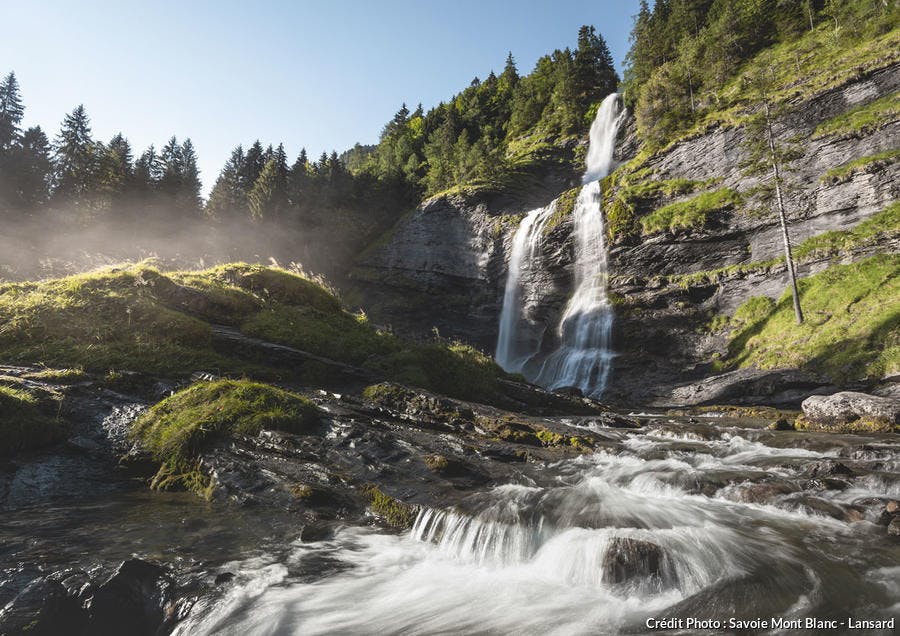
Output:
(517, 341)
(712, 523)
(582, 357)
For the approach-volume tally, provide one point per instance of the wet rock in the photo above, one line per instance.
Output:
(781, 425)
(224, 577)
(43, 607)
(571, 391)
(828, 468)
(894, 527)
(136, 599)
(826, 483)
(824, 508)
(638, 563)
(764, 493)
(851, 411)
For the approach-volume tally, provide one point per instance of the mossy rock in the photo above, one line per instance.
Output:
(394, 512)
(28, 420)
(178, 429)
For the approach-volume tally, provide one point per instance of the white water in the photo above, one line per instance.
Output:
(582, 358)
(533, 559)
(515, 343)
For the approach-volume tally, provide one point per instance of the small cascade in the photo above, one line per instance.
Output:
(582, 356)
(515, 342)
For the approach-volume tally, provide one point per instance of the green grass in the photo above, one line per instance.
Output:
(884, 224)
(176, 430)
(565, 205)
(868, 164)
(862, 120)
(139, 319)
(26, 421)
(852, 327)
(692, 213)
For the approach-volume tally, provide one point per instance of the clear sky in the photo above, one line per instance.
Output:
(323, 75)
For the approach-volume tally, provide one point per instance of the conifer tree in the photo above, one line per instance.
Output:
(11, 112)
(76, 159)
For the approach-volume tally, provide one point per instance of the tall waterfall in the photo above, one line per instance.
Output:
(582, 357)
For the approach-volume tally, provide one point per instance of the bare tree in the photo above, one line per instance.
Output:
(768, 154)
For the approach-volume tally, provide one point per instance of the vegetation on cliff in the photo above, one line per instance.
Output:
(852, 327)
(687, 60)
(692, 213)
(177, 429)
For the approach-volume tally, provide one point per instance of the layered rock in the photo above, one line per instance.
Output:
(445, 264)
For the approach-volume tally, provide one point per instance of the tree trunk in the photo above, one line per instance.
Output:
(788, 256)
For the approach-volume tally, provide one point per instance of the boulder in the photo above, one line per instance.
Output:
(638, 563)
(136, 599)
(851, 411)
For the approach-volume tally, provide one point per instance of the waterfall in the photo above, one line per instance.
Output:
(582, 357)
(515, 344)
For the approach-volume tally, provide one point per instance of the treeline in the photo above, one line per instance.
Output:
(469, 136)
(85, 180)
(684, 52)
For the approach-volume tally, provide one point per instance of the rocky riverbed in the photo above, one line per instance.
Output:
(403, 507)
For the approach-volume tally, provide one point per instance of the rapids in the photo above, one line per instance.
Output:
(710, 521)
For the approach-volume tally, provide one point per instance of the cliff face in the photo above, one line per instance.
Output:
(445, 264)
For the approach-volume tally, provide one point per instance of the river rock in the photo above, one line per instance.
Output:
(638, 563)
(894, 527)
(136, 599)
(849, 409)
(44, 606)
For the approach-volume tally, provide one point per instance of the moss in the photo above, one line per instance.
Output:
(394, 512)
(518, 433)
(862, 120)
(437, 463)
(627, 189)
(852, 326)
(860, 425)
(138, 319)
(57, 376)
(302, 491)
(565, 205)
(27, 421)
(867, 164)
(549, 438)
(885, 224)
(176, 430)
(692, 213)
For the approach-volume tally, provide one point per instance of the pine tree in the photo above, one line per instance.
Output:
(252, 166)
(76, 160)
(266, 199)
(767, 154)
(11, 112)
(188, 199)
(34, 170)
(228, 200)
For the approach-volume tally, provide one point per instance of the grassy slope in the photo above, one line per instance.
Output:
(852, 326)
(136, 318)
(800, 70)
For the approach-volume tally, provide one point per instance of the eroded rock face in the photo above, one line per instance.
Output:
(849, 409)
(445, 265)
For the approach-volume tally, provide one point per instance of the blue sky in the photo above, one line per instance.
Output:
(318, 74)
